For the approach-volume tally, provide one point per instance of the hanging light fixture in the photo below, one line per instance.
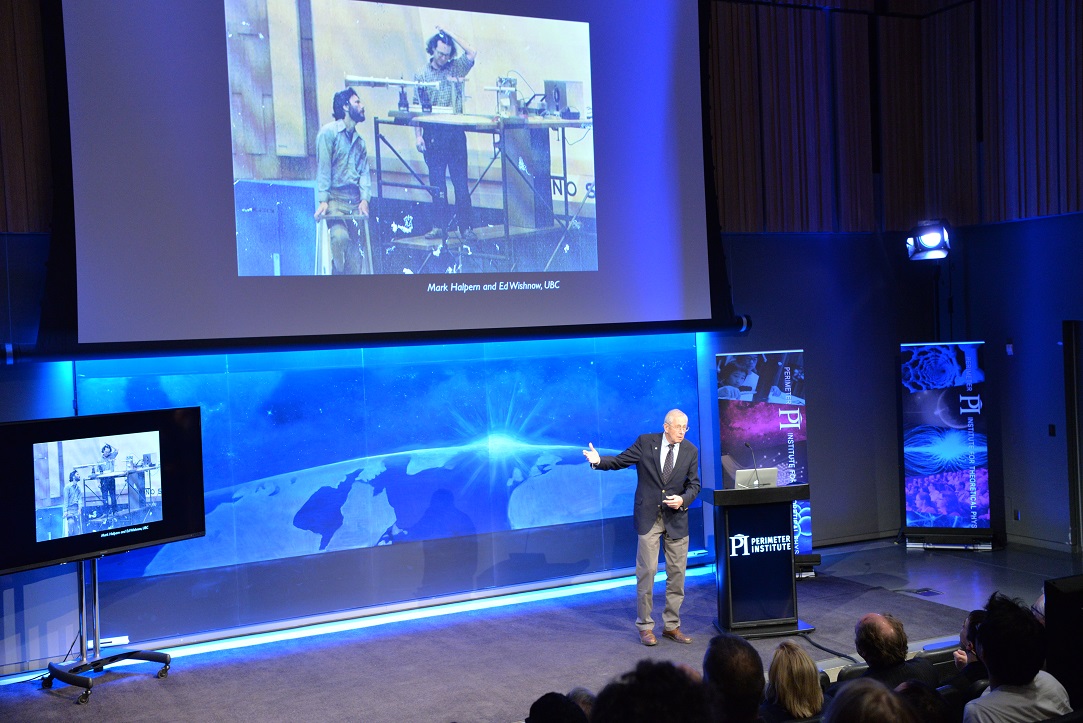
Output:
(928, 241)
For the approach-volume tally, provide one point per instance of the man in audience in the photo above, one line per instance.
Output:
(1011, 643)
(655, 692)
(582, 698)
(881, 641)
(866, 700)
(966, 660)
(926, 701)
(555, 708)
(733, 670)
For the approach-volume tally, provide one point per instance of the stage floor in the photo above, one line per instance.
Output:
(959, 578)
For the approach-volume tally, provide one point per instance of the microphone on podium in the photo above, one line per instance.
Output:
(755, 466)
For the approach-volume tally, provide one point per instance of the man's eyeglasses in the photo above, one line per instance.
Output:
(678, 427)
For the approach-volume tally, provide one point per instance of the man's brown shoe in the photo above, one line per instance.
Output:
(647, 637)
(676, 635)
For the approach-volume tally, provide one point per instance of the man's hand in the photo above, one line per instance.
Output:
(961, 658)
(363, 208)
(321, 210)
(467, 50)
(420, 144)
(592, 454)
(674, 502)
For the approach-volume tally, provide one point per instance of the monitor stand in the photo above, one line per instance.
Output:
(71, 675)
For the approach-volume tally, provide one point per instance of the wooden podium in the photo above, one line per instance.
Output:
(754, 561)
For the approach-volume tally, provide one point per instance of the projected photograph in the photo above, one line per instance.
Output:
(94, 485)
(775, 377)
(945, 445)
(373, 138)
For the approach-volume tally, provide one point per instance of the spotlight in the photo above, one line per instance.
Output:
(928, 241)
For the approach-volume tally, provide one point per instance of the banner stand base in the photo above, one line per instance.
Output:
(923, 545)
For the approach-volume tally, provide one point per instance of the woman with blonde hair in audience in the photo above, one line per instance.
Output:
(793, 686)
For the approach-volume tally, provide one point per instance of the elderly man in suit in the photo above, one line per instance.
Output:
(667, 467)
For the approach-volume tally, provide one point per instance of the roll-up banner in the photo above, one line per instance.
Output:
(762, 422)
(945, 450)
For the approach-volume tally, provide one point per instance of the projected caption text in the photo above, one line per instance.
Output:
(460, 288)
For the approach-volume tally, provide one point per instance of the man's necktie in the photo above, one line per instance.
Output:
(667, 468)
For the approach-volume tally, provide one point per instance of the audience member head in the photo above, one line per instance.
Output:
(867, 700)
(793, 681)
(733, 670)
(582, 698)
(655, 692)
(880, 640)
(969, 633)
(1010, 641)
(555, 708)
(926, 701)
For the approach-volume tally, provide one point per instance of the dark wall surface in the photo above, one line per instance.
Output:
(848, 301)
(1014, 286)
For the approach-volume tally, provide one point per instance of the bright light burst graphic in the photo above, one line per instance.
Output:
(930, 450)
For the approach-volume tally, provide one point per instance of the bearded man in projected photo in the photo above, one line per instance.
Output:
(667, 468)
(343, 187)
(444, 147)
(73, 505)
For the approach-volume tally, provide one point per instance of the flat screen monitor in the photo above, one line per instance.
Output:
(83, 487)
(746, 479)
(554, 181)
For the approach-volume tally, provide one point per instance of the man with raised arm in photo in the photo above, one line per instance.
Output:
(343, 187)
(444, 147)
(106, 481)
(667, 467)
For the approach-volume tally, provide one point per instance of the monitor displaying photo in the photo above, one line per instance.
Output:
(86, 486)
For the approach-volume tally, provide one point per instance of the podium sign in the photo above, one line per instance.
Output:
(754, 568)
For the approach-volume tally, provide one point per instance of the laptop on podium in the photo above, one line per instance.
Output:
(750, 479)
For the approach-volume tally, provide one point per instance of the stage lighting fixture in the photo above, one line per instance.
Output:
(928, 241)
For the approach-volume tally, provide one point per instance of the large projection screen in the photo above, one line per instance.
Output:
(164, 107)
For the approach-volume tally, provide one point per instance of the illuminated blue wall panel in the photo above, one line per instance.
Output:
(345, 479)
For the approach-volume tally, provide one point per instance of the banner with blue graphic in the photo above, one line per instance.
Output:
(762, 426)
(944, 442)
